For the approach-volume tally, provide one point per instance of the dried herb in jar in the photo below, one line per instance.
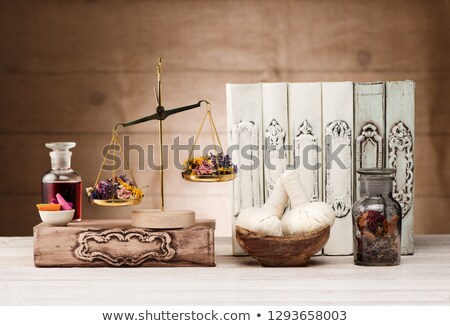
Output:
(377, 238)
(376, 220)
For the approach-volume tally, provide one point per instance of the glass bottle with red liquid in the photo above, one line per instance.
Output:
(61, 178)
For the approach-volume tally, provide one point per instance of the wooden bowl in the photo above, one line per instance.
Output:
(288, 251)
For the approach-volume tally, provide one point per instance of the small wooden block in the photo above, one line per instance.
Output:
(115, 243)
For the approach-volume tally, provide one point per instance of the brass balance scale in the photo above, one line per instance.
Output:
(162, 218)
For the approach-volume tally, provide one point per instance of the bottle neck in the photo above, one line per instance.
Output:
(376, 188)
(60, 160)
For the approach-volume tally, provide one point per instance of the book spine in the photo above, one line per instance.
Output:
(275, 129)
(337, 112)
(245, 139)
(400, 144)
(370, 135)
(305, 136)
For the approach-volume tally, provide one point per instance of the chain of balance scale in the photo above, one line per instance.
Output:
(160, 218)
(130, 186)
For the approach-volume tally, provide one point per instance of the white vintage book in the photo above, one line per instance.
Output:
(305, 135)
(244, 114)
(275, 128)
(370, 135)
(337, 113)
(400, 152)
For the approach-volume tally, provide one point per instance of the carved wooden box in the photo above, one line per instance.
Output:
(115, 243)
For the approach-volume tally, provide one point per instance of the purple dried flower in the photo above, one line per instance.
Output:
(108, 189)
(222, 161)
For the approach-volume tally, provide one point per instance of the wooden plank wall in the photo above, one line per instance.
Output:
(69, 70)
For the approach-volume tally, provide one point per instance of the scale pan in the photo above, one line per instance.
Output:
(209, 178)
(115, 202)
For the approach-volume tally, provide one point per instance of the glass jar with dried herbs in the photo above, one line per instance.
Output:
(376, 220)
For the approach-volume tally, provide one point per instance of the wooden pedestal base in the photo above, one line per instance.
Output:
(116, 243)
(158, 219)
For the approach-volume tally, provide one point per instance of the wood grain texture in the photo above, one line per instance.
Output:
(94, 60)
(125, 96)
(421, 279)
(116, 36)
(100, 243)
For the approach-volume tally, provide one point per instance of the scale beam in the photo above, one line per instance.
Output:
(161, 114)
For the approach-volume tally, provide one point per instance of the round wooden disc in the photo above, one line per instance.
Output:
(158, 219)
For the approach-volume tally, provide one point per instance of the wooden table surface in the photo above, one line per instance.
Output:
(420, 279)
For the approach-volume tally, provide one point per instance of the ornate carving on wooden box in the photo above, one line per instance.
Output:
(162, 251)
(305, 137)
(338, 191)
(401, 145)
(115, 243)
